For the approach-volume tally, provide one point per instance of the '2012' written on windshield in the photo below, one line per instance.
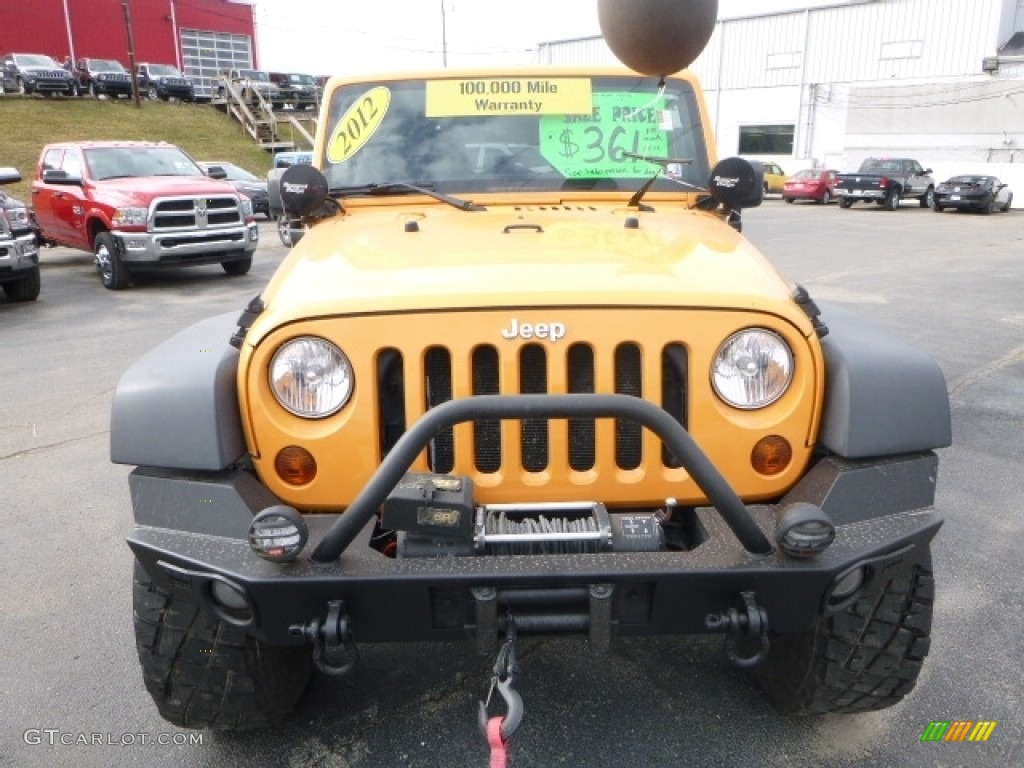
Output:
(358, 124)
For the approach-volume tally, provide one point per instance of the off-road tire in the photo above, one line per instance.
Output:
(204, 673)
(113, 273)
(892, 201)
(928, 200)
(237, 267)
(865, 657)
(845, 202)
(24, 288)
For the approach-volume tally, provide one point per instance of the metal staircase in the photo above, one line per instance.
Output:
(274, 130)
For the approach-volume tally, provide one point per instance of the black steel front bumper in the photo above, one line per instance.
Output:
(192, 533)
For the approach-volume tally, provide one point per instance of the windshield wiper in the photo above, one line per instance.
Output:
(662, 162)
(391, 187)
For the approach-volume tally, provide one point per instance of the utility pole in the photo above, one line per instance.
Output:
(131, 53)
(444, 38)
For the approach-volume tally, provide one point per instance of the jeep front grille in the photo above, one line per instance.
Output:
(195, 213)
(534, 369)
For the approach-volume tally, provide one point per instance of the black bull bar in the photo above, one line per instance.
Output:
(453, 412)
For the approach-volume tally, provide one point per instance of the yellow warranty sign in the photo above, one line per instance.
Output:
(509, 96)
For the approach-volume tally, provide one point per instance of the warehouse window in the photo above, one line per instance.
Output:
(766, 139)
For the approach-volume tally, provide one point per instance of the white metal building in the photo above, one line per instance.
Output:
(834, 82)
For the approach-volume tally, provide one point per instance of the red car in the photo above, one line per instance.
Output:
(812, 184)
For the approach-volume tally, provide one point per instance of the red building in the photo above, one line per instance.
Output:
(201, 37)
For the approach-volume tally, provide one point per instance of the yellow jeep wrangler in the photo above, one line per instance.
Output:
(525, 374)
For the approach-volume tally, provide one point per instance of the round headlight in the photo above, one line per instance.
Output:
(311, 377)
(752, 369)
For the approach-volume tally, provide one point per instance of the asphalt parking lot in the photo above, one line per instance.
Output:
(951, 284)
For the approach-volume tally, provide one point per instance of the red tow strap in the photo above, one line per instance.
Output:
(499, 756)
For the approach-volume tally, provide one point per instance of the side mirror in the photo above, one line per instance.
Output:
(927, 170)
(54, 176)
(216, 172)
(9, 175)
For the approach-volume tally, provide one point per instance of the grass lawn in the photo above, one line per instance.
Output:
(206, 133)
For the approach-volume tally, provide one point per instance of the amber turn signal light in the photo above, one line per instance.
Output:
(771, 455)
(295, 465)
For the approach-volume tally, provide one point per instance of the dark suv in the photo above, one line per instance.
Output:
(28, 73)
(162, 81)
(103, 77)
(297, 91)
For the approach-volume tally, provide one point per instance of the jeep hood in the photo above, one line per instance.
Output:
(141, 190)
(432, 257)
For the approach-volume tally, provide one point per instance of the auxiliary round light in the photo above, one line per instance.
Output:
(804, 530)
(752, 369)
(771, 455)
(295, 465)
(278, 534)
(311, 377)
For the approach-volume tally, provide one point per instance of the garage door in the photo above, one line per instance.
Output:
(206, 54)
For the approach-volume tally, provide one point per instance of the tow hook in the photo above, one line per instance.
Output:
(498, 730)
(334, 653)
(750, 622)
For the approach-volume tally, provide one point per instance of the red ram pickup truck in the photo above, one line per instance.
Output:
(141, 205)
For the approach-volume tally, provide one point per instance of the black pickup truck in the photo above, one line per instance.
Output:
(886, 181)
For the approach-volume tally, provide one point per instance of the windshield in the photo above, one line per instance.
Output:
(807, 174)
(517, 133)
(252, 74)
(968, 180)
(106, 65)
(34, 60)
(163, 70)
(301, 79)
(120, 162)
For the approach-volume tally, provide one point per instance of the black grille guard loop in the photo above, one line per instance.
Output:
(412, 443)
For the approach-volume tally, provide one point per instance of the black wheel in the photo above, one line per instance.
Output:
(21, 87)
(938, 208)
(238, 266)
(24, 288)
(845, 202)
(205, 673)
(151, 93)
(788, 199)
(863, 657)
(1009, 202)
(113, 273)
(989, 207)
(892, 201)
(826, 197)
(928, 201)
(284, 230)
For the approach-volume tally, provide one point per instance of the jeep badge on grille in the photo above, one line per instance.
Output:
(517, 330)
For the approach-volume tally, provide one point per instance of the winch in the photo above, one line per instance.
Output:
(435, 515)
